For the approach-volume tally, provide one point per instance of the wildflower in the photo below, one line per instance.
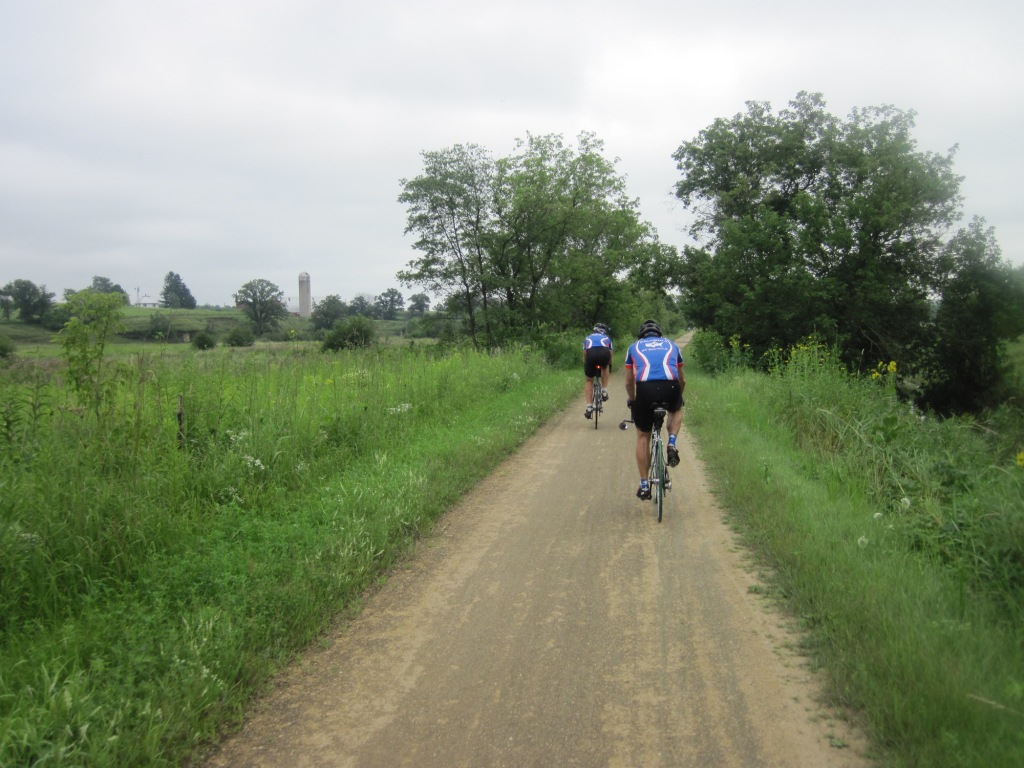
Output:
(905, 502)
(892, 366)
(862, 542)
(878, 515)
(254, 463)
(400, 408)
(1020, 459)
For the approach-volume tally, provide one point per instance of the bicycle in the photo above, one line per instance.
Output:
(598, 403)
(657, 473)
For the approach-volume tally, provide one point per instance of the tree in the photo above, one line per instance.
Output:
(95, 318)
(388, 304)
(361, 305)
(544, 239)
(263, 304)
(980, 309)
(809, 224)
(175, 294)
(449, 208)
(327, 312)
(106, 285)
(31, 301)
(419, 304)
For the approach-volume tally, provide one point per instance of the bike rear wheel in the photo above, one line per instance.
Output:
(658, 472)
(598, 399)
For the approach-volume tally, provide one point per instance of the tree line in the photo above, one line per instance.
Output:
(805, 225)
(35, 305)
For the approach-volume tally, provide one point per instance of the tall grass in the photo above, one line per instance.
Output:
(159, 558)
(898, 539)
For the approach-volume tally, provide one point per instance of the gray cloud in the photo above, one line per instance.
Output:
(233, 140)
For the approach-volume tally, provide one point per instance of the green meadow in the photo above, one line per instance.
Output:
(164, 551)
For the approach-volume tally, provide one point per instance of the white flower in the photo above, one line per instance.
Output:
(862, 542)
(878, 515)
(905, 502)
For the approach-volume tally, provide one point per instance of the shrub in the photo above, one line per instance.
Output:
(240, 336)
(6, 346)
(203, 340)
(355, 332)
(709, 352)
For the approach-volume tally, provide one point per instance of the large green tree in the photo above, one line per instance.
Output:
(807, 224)
(388, 304)
(450, 211)
(328, 311)
(980, 309)
(419, 304)
(175, 294)
(31, 301)
(263, 303)
(544, 239)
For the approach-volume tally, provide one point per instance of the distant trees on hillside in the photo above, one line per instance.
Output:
(32, 302)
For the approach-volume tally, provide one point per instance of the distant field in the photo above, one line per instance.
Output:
(149, 327)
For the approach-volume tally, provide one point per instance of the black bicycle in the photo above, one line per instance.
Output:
(657, 474)
(598, 404)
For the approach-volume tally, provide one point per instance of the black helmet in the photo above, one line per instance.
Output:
(649, 328)
(601, 328)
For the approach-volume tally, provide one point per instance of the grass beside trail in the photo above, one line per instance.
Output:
(894, 539)
(155, 571)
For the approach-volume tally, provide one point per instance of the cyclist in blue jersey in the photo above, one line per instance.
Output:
(597, 351)
(654, 374)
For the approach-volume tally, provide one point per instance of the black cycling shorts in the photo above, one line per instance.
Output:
(594, 357)
(652, 394)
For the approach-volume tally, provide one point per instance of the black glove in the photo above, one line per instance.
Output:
(629, 404)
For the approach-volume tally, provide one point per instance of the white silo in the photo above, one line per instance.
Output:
(305, 302)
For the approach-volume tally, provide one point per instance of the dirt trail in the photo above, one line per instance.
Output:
(549, 620)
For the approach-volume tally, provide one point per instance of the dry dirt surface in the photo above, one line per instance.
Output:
(550, 620)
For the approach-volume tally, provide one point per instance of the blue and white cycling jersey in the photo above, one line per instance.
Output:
(597, 340)
(654, 359)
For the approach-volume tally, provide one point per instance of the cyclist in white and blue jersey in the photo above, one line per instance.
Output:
(597, 354)
(654, 374)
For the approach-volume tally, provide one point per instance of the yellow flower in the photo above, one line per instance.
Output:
(892, 366)
(1020, 459)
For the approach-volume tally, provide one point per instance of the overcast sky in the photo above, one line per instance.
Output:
(229, 140)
